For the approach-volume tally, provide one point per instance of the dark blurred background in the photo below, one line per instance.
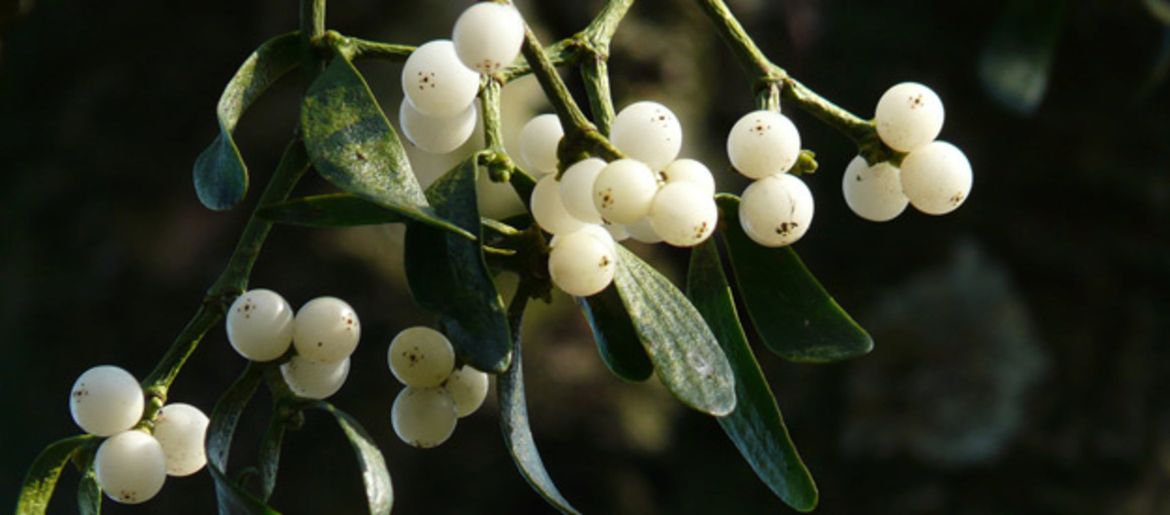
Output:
(1022, 361)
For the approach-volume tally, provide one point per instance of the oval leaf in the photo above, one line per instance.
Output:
(221, 177)
(41, 479)
(791, 311)
(756, 426)
(224, 418)
(684, 351)
(448, 275)
(375, 475)
(89, 493)
(353, 145)
(332, 210)
(617, 341)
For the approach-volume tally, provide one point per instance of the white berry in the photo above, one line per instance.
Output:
(581, 263)
(436, 82)
(577, 189)
(763, 143)
(616, 231)
(106, 400)
(936, 177)
(643, 231)
(488, 36)
(549, 210)
(421, 357)
(436, 135)
(423, 417)
(326, 329)
(873, 192)
(683, 215)
(181, 430)
(538, 143)
(314, 379)
(131, 467)
(649, 132)
(690, 171)
(597, 231)
(908, 116)
(260, 325)
(623, 191)
(777, 210)
(468, 388)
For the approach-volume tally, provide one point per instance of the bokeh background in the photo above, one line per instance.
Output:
(1022, 361)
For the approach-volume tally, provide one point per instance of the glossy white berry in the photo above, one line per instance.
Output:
(581, 263)
(873, 192)
(597, 231)
(260, 325)
(468, 388)
(131, 467)
(777, 210)
(326, 329)
(181, 430)
(577, 189)
(763, 143)
(436, 82)
(436, 135)
(690, 171)
(643, 231)
(649, 132)
(616, 231)
(538, 143)
(314, 379)
(936, 177)
(623, 191)
(488, 36)
(908, 116)
(549, 210)
(424, 417)
(421, 357)
(106, 400)
(683, 215)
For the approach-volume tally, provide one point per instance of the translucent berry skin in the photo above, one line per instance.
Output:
(488, 36)
(314, 379)
(776, 211)
(909, 115)
(577, 189)
(649, 132)
(468, 388)
(683, 215)
(690, 171)
(873, 192)
(326, 329)
(538, 143)
(763, 143)
(106, 400)
(936, 177)
(436, 81)
(436, 135)
(181, 430)
(549, 210)
(421, 357)
(623, 191)
(424, 417)
(260, 325)
(616, 231)
(643, 231)
(131, 467)
(581, 264)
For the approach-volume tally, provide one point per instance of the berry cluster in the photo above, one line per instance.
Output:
(441, 78)
(437, 394)
(325, 332)
(132, 464)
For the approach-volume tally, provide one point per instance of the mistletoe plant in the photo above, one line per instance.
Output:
(603, 178)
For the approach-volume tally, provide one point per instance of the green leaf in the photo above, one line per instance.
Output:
(41, 479)
(756, 426)
(447, 274)
(89, 493)
(1016, 61)
(270, 454)
(791, 311)
(221, 177)
(353, 146)
(682, 347)
(375, 475)
(616, 338)
(233, 499)
(514, 419)
(332, 210)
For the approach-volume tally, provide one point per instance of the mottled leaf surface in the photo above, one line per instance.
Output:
(616, 338)
(375, 475)
(41, 479)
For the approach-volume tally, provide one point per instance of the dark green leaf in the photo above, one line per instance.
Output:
(447, 274)
(224, 418)
(682, 347)
(221, 177)
(791, 311)
(1016, 61)
(756, 425)
(89, 493)
(514, 419)
(375, 475)
(353, 145)
(41, 479)
(616, 338)
(332, 210)
(270, 454)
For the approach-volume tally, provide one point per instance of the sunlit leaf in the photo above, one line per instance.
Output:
(41, 479)
(1016, 61)
(232, 498)
(375, 475)
(616, 338)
